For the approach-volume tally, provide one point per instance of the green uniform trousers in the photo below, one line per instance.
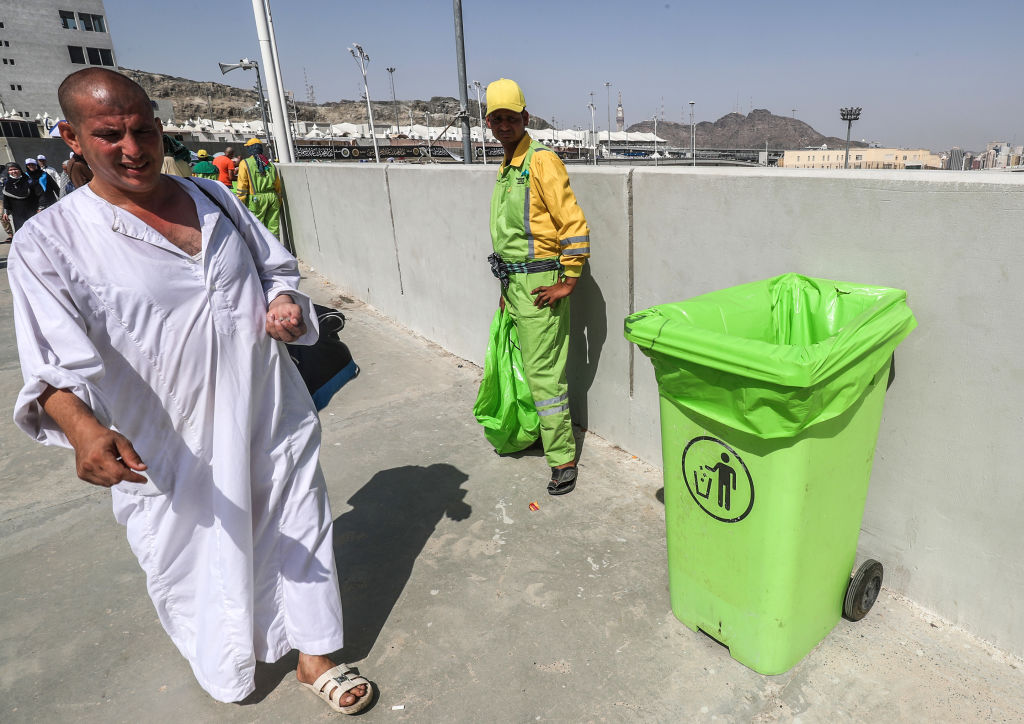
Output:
(544, 341)
(267, 208)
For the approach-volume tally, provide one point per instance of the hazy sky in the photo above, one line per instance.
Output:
(928, 73)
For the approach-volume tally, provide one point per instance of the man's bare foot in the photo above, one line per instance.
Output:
(311, 667)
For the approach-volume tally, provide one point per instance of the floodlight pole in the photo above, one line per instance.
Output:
(608, 90)
(480, 112)
(275, 92)
(593, 129)
(362, 58)
(460, 58)
(655, 139)
(394, 101)
(693, 137)
(849, 115)
(246, 64)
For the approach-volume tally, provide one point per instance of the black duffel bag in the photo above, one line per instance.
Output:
(327, 365)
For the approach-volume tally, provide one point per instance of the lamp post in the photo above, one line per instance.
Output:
(394, 101)
(593, 128)
(430, 147)
(608, 89)
(655, 139)
(693, 137)
(246, 64)
(362, 58)
(849, 115)
(480, 113)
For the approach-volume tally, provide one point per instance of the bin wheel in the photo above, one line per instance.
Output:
(863, 590)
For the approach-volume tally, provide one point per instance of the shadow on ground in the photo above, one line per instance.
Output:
(376, 544)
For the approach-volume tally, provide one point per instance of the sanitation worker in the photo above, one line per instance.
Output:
(541, 241)
(259, 187)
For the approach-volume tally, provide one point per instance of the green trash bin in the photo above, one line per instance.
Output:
(771, 397)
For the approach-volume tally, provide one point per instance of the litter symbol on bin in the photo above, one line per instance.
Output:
(718, 479)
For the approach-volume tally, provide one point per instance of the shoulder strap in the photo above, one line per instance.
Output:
(215, 200)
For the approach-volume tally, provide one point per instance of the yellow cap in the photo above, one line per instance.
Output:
(505, 93)
(201, 153)
(252, 142)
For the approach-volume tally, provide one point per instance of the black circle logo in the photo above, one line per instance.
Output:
(718, 479)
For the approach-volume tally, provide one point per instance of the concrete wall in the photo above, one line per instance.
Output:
(946, 492)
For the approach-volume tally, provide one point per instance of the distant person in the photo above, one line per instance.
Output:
(48, 169)
(203, 168)
(79, 171)
(47, 190)
(176, 158)
(225, 166)
(541, 241)
(151, 334)
(20, 197)
(64, 179)
(259, 187)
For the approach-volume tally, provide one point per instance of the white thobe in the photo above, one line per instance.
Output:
(233, 529)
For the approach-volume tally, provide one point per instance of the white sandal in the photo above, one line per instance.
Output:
(335, 683)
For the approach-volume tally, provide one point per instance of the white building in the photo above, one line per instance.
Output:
(43, 41)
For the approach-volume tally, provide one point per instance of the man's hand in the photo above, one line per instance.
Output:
(547, 296)
(501, 302)
(107, 458)
(102, 457)
(284, 319)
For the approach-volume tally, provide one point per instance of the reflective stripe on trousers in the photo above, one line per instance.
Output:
(544, 341)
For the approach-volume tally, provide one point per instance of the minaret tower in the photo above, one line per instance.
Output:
(620, 118)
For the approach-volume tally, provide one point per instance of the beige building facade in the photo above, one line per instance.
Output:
(894, 158)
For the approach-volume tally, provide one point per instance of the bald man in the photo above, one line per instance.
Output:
(150, 312)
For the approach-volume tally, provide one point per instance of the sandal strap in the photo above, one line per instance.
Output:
(344, 680)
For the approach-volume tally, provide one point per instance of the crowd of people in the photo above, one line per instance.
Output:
(33, 186)
(29, 188)
(252, 178)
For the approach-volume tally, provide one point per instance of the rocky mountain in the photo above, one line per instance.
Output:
(194, 99)
(205, 99)
(736, 130)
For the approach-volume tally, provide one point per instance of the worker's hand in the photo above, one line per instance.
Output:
(501, 302)
(284, 319)
(548, 296)
(104, 457)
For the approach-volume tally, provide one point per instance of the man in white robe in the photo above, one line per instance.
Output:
(150, 328)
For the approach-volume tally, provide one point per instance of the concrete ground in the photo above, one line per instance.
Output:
(461, 603)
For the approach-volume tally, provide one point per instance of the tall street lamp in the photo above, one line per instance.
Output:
(655, 139)
(480, 113)
(593, 128)
(246, 64)
(849, 115)
(394, 102)
(608, 88)
(693, 137)
(362, 58)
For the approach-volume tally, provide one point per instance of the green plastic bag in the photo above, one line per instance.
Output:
(504, 405)
(774, 357)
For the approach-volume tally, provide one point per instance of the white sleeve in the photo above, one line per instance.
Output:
(277, 268)
(53, 343)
